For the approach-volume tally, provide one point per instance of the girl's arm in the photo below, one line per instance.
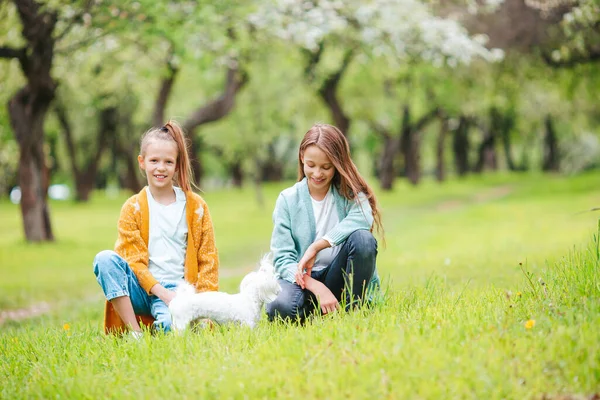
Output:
(285, 256)
(131, 246)
(163, 293)
(327, 300)
(208, 256)
(308, 260)
(360, 216)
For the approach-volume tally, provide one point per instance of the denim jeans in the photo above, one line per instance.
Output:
(348, 275)
(117, 279)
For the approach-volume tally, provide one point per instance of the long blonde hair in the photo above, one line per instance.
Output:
(346, 179)
(171, 131)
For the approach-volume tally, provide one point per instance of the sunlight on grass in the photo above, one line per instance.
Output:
(492, 292)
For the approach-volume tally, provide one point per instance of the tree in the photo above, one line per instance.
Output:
(385, 31)
(29, 106)
(391, 33)
(578, 41)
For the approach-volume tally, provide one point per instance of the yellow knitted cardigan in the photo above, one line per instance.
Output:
(201, 257)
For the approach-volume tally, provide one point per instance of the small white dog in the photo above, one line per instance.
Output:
(244, 308)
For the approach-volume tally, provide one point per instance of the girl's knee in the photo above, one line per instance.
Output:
(285, 307)
(363, 241)
(284, 311)
(105, 260)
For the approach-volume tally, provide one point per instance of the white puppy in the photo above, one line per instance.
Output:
(244, 308)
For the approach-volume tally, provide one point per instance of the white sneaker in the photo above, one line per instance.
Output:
(135, 335)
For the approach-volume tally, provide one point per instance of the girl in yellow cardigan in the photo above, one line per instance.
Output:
(165, 236)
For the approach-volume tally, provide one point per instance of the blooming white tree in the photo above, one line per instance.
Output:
(581, 26)
(383, 32)
(393, 28)
(392, 31)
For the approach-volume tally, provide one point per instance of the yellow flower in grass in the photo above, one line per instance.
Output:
(530, 324)
(66, 327)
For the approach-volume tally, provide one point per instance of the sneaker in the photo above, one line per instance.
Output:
(135, 335)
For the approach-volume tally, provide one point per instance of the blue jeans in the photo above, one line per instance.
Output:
(348, 275)
(117, 279)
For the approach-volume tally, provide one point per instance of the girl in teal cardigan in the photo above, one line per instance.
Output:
(323, 248)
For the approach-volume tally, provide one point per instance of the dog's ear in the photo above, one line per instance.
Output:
(248, 278)
(266, 263)
(268, 293)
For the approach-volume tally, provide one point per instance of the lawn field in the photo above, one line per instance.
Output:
(491, 291)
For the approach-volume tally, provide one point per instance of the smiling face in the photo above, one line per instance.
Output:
(159, 164)
(319, 171)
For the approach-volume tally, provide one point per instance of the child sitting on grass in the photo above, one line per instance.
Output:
(322, 243)
(165, 236)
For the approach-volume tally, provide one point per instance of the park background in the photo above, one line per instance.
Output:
(475, 122)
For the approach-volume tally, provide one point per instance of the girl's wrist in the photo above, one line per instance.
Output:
(158, 290)
(320, 244)
(311, 284)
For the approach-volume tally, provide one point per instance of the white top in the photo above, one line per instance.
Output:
(168, 238)
(326, 217)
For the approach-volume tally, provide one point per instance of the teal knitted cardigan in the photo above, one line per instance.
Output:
(294, 226)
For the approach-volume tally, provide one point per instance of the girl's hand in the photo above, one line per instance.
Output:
(305, 266)
(163, 293)
(327, 300)
(168, 296)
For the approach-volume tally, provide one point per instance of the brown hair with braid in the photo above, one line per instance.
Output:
(346, 179)
(172, 132)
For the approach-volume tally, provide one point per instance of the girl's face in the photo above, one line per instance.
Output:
(318, 169)
(159, 163)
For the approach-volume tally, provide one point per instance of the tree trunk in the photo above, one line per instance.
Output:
(551, 160)
(385, 165)
(125, 151)
(501, 126)
(461, 146)
(328, 92)
(28, 109)
(387, 170)
(487, 153)
(487, 149)
(410, 143)
(85, 178)
(166, 86)
(440, 170)
(213, 111)
(272, 167)
(506, 123)
(409, 146)
(237, 173)
(27, 115)
(107, 133)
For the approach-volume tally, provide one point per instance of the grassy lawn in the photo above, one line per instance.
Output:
(468, 266)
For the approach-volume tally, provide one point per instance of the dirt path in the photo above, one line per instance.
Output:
(24, 313)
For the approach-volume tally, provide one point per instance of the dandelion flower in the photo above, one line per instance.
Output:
(66, 327)
(530, 324)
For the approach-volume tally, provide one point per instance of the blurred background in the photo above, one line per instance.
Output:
(424, 90)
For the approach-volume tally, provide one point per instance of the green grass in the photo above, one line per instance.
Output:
(463, 268)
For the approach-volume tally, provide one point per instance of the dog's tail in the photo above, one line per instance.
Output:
(185, 288)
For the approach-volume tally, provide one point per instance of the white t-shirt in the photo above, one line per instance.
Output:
(168, 238)
(326, 217)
